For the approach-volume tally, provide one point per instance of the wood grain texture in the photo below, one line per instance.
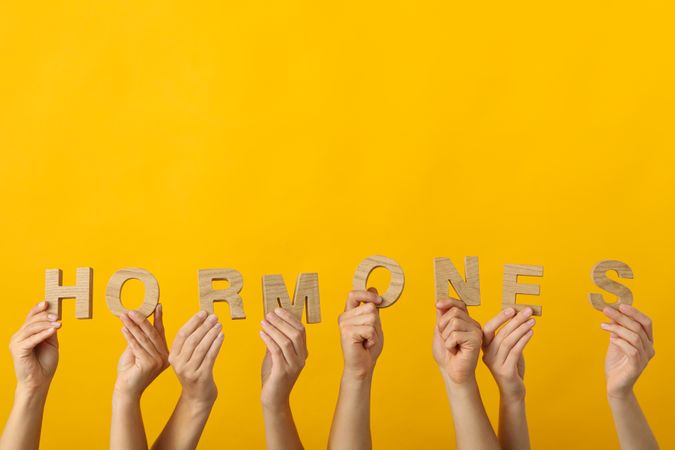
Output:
(512, 287)
(468, 288)
(81, 292)
(208, 295)
(305, 297)
(113, 290)
(601, 280)
(396, 284)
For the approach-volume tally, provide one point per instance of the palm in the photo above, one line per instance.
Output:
(39, 364)
(618, 368)
(128, 369)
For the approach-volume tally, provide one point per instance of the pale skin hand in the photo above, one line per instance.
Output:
(286, 342)
(35, 352)
(193, 355)
(362, 342)
(631, 346)
(456, 347)
(145, 357)
(503, 355)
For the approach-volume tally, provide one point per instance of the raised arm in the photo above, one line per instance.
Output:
(286, 343)
(631, 346)
(192, 357)
(35, 352)
(456, 347)
(145, 357)
(503, 355)
(362, 342)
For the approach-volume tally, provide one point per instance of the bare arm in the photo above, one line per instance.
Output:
(362, 342)
(503, 355)
(456, 347)
(631, 346)
(35, 354)
(145, 357)
(192, 357)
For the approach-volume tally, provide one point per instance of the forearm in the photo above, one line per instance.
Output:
(280, 430)
(472, 426)
(513, 432)
(631, 425)
(351, 424)
(126, 429)
(185, 427)
(22, 431)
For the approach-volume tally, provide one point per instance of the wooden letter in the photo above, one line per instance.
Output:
(369, 264)
(512, 287)
(81, 292)
(306, 295)
(599, 277)
(114, 290)
(207, 295)
(468, 291)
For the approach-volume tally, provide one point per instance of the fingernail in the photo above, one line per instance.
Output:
(278, 311)
(604, 326)
(528, 311)
(124, 330)
(134, 314)
(42, 304)
(201, 314)
(263, 323)
(531, 322)
(56, 325)
(52, 317)
(218, 326)
(379, 299)
(508, 312)
(220, 336)
(213, 318)
(623, 308)
(159, 307)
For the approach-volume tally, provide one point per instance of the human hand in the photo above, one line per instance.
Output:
(361, 333)
(146, 355)
(285, 357)
(631, 346)
(35, 350)
(193, 355)
(457, 341)
(503, 350)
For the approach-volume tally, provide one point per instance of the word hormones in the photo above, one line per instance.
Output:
(306, 293)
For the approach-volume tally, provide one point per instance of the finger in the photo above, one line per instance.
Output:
(456, 324)
(639, 316)
(196, 337)
(493, 324)
(36, 327)
(212, 354)
(137, 349)
(288, 330)
(204, 345)
(139, 335)
(519, 319)
(289, 318)
(42, 306)
(626, 347)
(186, 330)
(149, 330)
(355, 298)
(159, 324)
(517, 350)
(457, 339)
(273, 348)
(448, 303)
(39, 317)
(281, 340)
(453, 315)
(512, 339)
(364, 334)
(624, 320)
(34, 340)
(625, 334)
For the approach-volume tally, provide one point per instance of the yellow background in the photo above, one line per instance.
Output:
(290, 136)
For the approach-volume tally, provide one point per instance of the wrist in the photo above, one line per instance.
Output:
(125, 396)
(459, 384)
(620, 394)
(276, 406)
(25, 391)
(512, 394)
(197, 405)
(357, 375)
